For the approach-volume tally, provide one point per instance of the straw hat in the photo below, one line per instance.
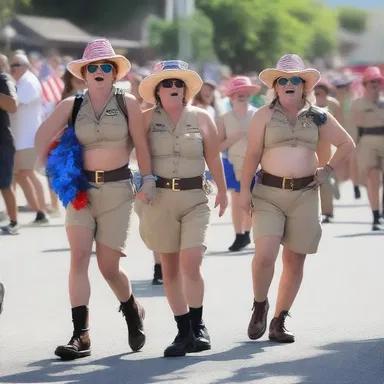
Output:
(241, 83)
(97, 50)
(372, 73)
(291, 65)
(170, 69)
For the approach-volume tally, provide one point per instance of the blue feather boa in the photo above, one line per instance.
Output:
(65, 167)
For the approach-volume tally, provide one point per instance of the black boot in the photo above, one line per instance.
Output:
(203, 340)
(238, 244)
(134, 316)
(185, 339)
(80, 343)
(157, 275)
(246, 238)
(377, 223)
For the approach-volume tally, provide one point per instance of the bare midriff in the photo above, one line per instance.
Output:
(105, 159)
(294, 162)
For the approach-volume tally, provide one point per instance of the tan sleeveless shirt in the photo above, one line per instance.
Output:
(279, 132)
(369, 114)
(110, 130)
(176, 151)
(232, 124)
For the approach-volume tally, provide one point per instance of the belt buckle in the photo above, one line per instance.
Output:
(175, 184)
(291, 183)
(99, 177)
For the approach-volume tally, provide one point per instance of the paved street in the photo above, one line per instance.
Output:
(338, 317)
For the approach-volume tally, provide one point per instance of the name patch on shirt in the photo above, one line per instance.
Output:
(112, 112)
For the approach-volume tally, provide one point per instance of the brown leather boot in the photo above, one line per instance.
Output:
(277, 330)
(258, 324)
(80, 343)
(134, 316)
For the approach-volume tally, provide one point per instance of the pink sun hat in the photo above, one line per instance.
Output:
(241, 83)
(97, 50)
(372, 73)
(290, 65)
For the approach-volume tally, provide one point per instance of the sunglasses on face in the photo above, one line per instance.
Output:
(293, 80)
(168, 83)
(16, 65)
(374, 82)
(106, 67)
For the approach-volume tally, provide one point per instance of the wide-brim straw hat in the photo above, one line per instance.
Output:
(291, 65)
(242, 84)
(170, 69)
(372, 73)
(98, 50)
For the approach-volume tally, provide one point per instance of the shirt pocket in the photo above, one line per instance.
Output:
(161, 143)
(191, 145)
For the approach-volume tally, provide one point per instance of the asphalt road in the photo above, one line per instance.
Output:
(338, 317)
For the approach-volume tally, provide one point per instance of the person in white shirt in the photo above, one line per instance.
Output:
(24, 125)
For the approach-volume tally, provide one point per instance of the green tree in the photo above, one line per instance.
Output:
(163, 37)
(9, 7)
(352, 19)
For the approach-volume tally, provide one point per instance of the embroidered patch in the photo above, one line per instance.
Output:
(112, 112)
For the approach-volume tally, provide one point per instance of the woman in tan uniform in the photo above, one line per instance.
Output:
(324, 150)
(233, 128)
(102, 130)
(182, 139)
(367, 115)
(283, 139)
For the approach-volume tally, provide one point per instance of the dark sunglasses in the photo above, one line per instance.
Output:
(294, 80)
(16, 65)
(106, 68)
(168, 83)
(374, 81)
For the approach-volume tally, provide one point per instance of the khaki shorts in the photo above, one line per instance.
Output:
(370, 153)
(292, 215)
(108, 213)
(25, 159)
(175, 221)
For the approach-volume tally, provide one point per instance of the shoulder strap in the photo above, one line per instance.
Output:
(76, 107)
(121, 102)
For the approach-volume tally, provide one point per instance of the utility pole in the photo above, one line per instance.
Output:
(185, 9)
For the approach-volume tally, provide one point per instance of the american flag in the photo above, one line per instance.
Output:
(52, 88)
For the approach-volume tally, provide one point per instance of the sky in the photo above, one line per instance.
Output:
(365, 4)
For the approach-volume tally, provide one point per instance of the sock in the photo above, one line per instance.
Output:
(183, 324)
(376, 216)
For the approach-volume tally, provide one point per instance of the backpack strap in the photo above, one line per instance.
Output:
(121, 102)
(76, 107)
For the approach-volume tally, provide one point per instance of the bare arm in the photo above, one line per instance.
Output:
(334, 133)
(211, 144)
(138, 134)
(226, 142)
(52, 126)
(255, 147)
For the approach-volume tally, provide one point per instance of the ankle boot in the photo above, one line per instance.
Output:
(278, 331)
(258, 323)
(185, 339)
(80, 343)
(134, 316)
(203, 340)
(238, 244)
(157, 275)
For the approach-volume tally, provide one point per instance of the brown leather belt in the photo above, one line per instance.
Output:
(101, 177)
(177, 184)
(379, 131)
(285, 182)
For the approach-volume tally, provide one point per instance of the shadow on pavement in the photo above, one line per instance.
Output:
(57, 250)
(144, 288)
(243, 252)
(362, 234)
(352, 362)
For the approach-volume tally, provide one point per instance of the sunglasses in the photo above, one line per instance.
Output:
(168, 83)
(294, 80)
(16, 65)
(106, 68)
